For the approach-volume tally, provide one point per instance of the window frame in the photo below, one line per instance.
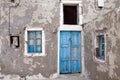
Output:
(26, 42)
(75, 19)
(79, 12)
(77, 27)
(100, 44)
(12, 1)
(96, 46)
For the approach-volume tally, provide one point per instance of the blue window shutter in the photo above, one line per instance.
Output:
(31, 48)
(31, 42)
(102, 47)
(38, 41)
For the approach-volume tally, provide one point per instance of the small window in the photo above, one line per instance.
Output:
(13, 1)
(70, 14)
(34, 41)
(14, 41)
(100, 49)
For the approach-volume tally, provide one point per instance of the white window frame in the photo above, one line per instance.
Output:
(26, 42)
(78, 27)
(79, 3)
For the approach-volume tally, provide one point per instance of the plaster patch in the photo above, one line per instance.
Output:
(19, 11)
(112, 66)
(102, 67)
(112, 37)
(28, 60)
(86, 75)
(0, 45)
(0, 69)
(35, 77)
(31, 69)
(4, 15)
(42, 66)
(55, 75)
(14, 63)
(32, 66)
(51, 45)
(44, 13)
(37, 63)
(10, 77)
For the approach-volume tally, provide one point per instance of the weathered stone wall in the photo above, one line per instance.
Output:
(28, 13)
(46, 14)
(108, 70)
(94, 19)
(92, 11)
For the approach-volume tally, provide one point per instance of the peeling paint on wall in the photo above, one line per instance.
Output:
(35, 77)
(28, 60)
(45, 14)
(112, 65)
(9, 77)
(0, 44)
(53, 76)
(102, 67)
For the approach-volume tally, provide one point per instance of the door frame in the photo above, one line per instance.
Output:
(77, 27)
(71, 28)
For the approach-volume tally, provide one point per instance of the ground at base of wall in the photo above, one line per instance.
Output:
(68, 77)
(60, 77)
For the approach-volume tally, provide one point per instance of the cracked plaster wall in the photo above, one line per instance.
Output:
(37, 13)
(32, 13)
(109, 69)
(91, 10)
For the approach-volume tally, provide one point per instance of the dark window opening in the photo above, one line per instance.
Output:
(13, 1)
(70, 14)
(100, 50)
(14, 41)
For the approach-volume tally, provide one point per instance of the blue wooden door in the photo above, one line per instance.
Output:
(70, 51)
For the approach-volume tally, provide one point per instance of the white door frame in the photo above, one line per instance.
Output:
(82, 48)
(77, 27)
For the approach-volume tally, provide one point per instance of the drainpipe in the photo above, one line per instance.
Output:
(15, 4)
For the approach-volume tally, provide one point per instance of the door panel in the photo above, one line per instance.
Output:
(75, 52)
(64, 52)
(70, 52)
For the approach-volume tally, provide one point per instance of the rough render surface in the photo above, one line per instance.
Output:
(98, 19)
(108, 70)
(29, 13)
(37, 13)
